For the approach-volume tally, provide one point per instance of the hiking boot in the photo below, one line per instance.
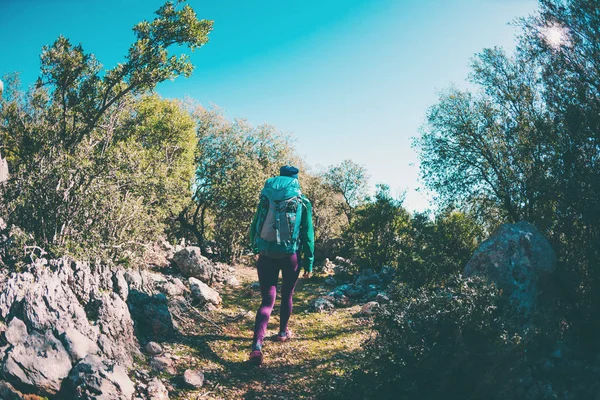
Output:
(256, 357)
(284, 336)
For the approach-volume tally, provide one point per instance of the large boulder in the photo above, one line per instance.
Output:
(515, 257)
(96, 378)
(36, 362)
(204, 293)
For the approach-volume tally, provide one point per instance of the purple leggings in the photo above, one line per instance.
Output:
(268, 274)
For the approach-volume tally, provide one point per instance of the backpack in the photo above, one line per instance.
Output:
(279, 215)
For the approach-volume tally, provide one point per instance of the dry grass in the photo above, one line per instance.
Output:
(295, 369)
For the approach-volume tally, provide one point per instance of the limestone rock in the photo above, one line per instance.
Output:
(153, 348)
(152, 317)
(192, 263)
(515, 257)
(96, 378)
(232, 281)
(193, 378)
(16, 332)
(38, 363)
(162, 364)
(120, 284)
(204, 293)
(160, 254)
(173, 287)
(156, 390)
(117, 340)
(78, 345)
(367, 277)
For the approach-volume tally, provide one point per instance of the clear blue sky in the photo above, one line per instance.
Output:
(348, 78)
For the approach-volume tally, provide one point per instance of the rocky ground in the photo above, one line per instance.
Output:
(179, 328)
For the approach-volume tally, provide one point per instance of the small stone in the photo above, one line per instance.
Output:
(162, 364)
(153, 348)
(193, 378)
(255, 285)
(232, 281)
(330, 281)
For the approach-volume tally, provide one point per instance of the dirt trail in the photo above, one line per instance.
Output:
(218, 342)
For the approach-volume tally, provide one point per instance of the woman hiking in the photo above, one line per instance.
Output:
(283, 236)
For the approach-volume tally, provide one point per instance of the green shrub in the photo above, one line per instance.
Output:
(457, 341)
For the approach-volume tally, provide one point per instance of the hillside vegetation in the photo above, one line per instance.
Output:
(106, 172)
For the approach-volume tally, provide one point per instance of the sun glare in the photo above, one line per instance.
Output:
(555, 35)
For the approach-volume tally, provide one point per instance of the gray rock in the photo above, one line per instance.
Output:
(232, 281)
(120, 284)
(117, 340)
(160, 254)
(367, 277)
(152, 317)
(255, 285)
(16, 332)
(192, 263)
(38, 362)
(203, 292)
(153, 348)
(351, 291)
(134, 280)
(73, 301)
(162, 364)
(322, 305)
(96, 378)
(193, 378)
(156, 390)
(514, 258)
(173, 288)
(328, 267)
(78, 345)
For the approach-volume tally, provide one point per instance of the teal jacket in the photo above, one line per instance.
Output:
(307, 234)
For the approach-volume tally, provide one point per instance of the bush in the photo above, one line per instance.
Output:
(460, 340)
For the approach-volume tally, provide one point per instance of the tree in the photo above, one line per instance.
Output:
(329, 220)
(379, 233)
(69, 139)
(439, 247)
(527, 145)
(233, 161)
(351, 181)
